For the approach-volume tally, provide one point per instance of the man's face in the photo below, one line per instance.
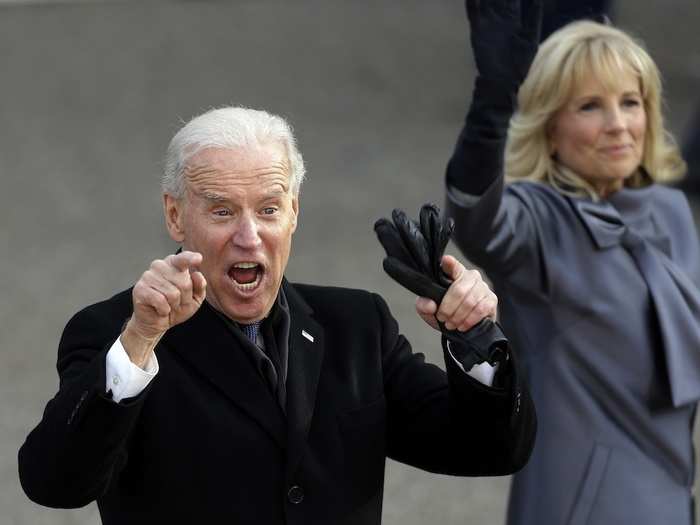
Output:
(239, 213)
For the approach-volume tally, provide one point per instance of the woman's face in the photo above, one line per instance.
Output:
(599, 133)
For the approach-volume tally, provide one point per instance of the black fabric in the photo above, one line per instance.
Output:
(275, 332)
(208, 443)
(271, 359)
(414, 250)
(558, 13)
(504, 38)
(257, 355)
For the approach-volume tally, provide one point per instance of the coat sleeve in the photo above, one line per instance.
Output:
(72, 455)
(452, 425)
(494, 229)
(498, 230)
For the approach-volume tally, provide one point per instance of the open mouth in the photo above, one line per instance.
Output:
(246, 275)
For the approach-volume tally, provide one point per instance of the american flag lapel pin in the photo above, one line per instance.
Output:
(307, 335)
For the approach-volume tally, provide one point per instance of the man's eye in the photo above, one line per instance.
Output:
(222, 213)
(269, 210)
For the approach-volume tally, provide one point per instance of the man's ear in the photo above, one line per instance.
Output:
(295, 210)
(174, 217)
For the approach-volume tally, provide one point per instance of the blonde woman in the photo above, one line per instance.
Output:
(556, 194)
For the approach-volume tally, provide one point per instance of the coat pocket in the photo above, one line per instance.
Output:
(588, 490)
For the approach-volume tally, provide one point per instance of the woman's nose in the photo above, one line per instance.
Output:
(614, 120)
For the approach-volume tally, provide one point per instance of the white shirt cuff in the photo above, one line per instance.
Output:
(124, 378)
(482, 372)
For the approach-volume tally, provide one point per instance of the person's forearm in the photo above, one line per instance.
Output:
(80, 438)
(477, 159)
(138, 347)
(504, 38)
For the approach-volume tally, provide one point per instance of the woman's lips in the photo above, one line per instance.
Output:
(621, 149)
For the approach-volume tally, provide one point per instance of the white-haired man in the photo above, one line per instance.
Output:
(268, 402)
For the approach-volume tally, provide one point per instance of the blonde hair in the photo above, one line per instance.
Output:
(568, 56)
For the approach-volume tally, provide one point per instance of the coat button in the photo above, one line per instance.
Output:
(295, 495)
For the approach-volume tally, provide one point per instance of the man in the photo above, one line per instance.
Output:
(268, 402)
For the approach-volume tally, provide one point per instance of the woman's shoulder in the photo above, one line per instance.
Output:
(538, 196)
(673, 204)
(667, 194)
(665, 200)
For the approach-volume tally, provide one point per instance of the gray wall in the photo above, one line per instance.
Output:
(91, 93)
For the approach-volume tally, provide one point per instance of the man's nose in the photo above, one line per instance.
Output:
(247, 234)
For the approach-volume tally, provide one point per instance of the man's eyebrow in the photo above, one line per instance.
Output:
(214, 197)
(276, 193)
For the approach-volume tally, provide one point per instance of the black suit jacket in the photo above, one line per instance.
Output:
(206, 442)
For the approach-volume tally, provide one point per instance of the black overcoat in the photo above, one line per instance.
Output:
(206, 442)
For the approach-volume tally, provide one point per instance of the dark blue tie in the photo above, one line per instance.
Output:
(251, 331)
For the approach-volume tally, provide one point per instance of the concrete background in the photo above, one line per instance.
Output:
(91, 93)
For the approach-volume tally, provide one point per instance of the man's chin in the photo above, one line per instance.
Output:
(246, 312)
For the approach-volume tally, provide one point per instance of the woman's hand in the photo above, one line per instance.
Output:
(504, 37)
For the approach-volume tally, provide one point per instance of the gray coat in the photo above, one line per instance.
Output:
(602, 302)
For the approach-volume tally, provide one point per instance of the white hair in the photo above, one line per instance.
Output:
(229, 127)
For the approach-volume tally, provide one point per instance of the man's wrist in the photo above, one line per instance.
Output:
(138, 347)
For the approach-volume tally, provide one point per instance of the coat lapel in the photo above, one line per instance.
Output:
(206, 344)
(306, 350)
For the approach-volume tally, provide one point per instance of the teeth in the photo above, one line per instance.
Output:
(248, 286)
(245, 265)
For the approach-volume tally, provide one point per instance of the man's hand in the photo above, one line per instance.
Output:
(167, 294)
(468, 299)
(467, 306)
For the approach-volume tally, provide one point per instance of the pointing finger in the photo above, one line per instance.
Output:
(186, 260)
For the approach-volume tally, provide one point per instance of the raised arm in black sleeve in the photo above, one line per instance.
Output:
(504, 37)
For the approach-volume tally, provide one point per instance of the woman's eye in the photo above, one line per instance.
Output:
(589, 106)
(631, 102)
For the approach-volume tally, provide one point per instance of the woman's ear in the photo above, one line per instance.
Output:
(549, 131)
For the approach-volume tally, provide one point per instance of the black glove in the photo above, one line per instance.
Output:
(414, 252)
(504, 37)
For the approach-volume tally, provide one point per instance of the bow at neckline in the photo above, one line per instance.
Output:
(676, 299)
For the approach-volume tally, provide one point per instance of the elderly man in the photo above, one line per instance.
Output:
(215, 391)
